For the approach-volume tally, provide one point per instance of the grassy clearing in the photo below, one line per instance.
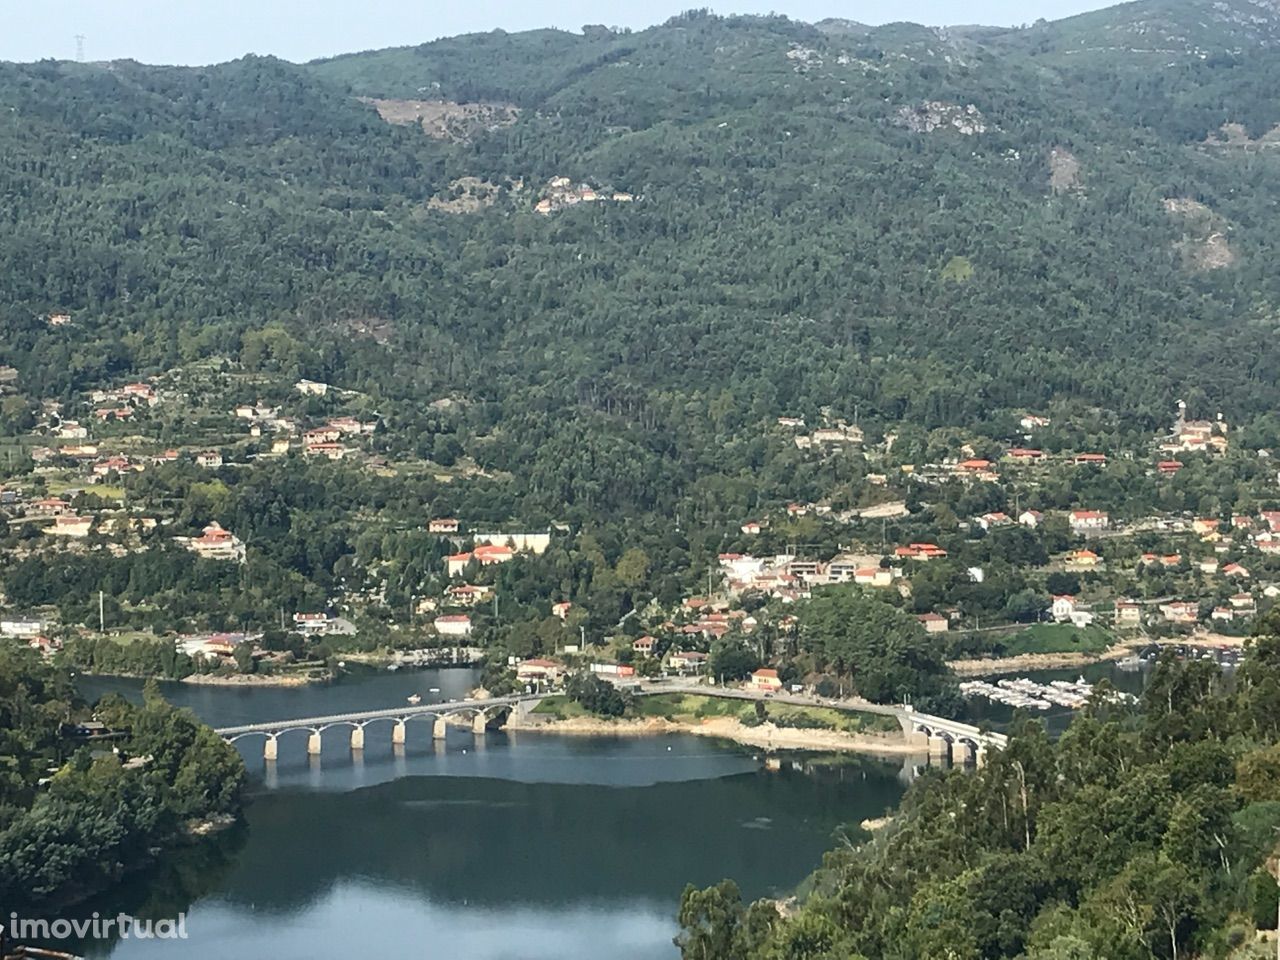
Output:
(690, 708)
(1058, 638)
(560, 708)
(103, 491)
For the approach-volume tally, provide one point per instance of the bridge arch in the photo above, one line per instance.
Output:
(252, 733)
(340, 723)
(306, 730)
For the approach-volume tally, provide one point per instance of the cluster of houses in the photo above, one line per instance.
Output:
(322, 441)
(790, 578)
(32, 631)
(561, 192)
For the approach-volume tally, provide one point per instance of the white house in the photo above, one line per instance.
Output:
(25, 627)
(311, 388)
(1063, 607)
(453, 625)
(1089, 521)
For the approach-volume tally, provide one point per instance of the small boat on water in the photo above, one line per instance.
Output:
(393, 667)
(414, 698)
(434, 690)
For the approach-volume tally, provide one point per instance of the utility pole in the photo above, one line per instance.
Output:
(102, 614)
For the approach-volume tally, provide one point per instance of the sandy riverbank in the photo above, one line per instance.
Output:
(766, 736)
(252, 680)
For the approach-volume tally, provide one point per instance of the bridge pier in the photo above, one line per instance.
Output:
(357, 738)
(439, 729)
(398, 733)
(270, 749)
(939, 748)
(479, 724)
(313, 744)
(980, 757)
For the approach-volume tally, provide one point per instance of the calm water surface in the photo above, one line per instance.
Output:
(504, 846)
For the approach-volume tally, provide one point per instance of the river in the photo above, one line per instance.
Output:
(505, 846)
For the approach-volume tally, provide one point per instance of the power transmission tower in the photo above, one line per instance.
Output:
(80, 48)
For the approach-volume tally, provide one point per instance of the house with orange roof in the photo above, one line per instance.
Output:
(70, 525)
(1085, 522)
(1128, 613)
(920, 551)
(1064, 605)
(1083, 558)
(765, 680)
(1181, 611)
(538, 670)
(644, 645)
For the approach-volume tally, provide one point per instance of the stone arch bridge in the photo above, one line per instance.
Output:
(481, 712)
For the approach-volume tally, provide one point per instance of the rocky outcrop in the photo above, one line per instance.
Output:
(934, 115)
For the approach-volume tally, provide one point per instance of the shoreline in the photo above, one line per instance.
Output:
(1068, 658)
(766, 736)
(1038, 661)
(250, 680)
(213, 680)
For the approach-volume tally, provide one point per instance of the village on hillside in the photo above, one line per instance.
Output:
(1041, 542)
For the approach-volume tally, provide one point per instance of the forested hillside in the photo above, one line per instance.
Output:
(1135, 835)
(906, 223)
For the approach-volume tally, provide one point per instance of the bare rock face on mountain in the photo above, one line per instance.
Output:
(933, 115)
(837, 26)
(445, 120)
(1205, 245)
(1064, 171)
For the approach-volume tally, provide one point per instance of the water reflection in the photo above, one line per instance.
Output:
(490, 847)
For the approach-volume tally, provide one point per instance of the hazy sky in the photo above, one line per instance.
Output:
(210, 31)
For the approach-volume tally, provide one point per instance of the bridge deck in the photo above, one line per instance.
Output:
(393, 713)
(903, 714)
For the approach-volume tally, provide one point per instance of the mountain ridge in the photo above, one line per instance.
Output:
(905, 211)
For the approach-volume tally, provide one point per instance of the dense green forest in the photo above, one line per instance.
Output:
(926, 233)
(792, 245)
(1145, 831)
(76, 816)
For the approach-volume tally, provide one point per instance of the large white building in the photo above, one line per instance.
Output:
(519, 542)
